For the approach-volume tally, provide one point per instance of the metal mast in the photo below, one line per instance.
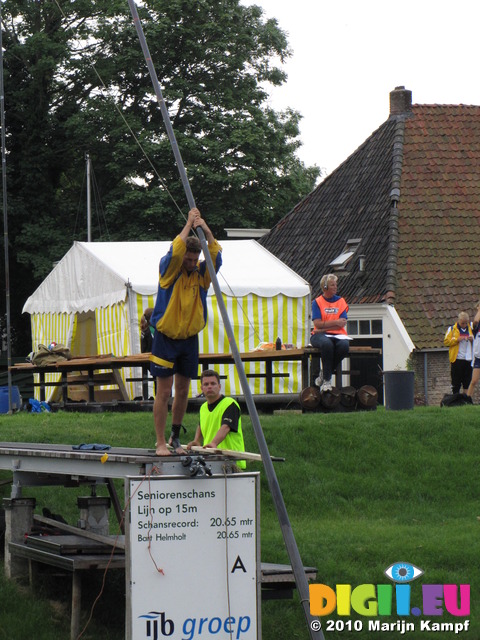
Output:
(89, 200)
(5, 221)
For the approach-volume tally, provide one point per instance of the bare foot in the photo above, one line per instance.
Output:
(174, 443)
(162, 450)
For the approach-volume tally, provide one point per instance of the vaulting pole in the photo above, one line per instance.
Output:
(290, 543)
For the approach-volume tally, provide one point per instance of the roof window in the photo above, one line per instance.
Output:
(341, 261)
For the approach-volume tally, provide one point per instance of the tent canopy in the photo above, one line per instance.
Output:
(94, 298)
(97, 274)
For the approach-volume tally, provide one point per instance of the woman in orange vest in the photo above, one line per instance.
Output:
(329, 316)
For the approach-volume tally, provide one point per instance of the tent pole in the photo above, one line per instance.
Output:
(5, 224)
(313, 624)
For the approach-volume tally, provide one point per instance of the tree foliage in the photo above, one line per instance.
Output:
(76, 82)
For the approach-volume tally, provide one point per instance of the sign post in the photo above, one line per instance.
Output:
(193, 558)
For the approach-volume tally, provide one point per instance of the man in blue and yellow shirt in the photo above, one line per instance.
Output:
(180, 313)
(220, 419)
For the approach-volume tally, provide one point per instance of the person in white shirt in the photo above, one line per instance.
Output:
(476, 353)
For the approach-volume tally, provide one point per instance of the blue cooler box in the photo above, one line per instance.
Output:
(16, 399)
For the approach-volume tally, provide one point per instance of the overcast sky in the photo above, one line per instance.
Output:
(349, 54)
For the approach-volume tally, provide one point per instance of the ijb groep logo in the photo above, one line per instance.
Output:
(384, 600)
(158, 625)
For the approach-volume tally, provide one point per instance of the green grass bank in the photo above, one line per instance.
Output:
(363, 490)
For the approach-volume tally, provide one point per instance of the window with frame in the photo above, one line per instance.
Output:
(365, 327)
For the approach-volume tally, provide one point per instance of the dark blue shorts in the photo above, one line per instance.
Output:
(174, 356)
(476, 363)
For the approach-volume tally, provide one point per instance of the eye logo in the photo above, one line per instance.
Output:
(402, 572)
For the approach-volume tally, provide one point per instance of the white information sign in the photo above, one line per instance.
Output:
(192, 558)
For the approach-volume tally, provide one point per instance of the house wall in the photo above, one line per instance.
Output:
(396, 343)
(437, 367)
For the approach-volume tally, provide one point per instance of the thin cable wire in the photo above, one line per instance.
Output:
(158, 569)
(98, 203)
(250, 324)
(132, 133)
(226, 548)
(154, 469)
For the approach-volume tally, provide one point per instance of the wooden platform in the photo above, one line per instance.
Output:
(55, 463)
(73, 550)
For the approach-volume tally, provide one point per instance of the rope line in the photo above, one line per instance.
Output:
(146, 477)
(122, 116)
(227, 577)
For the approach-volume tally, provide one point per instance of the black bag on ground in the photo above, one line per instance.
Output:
(455, 400)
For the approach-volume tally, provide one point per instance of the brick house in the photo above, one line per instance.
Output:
(397, 222)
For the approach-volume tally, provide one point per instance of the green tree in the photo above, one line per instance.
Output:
(76, 82)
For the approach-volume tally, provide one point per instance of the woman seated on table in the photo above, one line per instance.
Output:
(329, 334)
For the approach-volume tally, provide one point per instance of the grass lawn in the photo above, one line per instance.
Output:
(363, 490)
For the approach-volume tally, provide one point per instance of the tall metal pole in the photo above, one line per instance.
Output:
(290, 543)
(89, 201)
(5, 221)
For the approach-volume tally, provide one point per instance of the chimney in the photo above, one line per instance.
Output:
(400, 101)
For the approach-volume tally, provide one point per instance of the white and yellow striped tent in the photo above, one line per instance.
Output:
(93, 299)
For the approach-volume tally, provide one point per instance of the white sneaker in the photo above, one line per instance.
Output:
(319, 380)
(326, 386)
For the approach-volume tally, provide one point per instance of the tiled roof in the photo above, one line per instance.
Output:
(439, 221)
(411, 193)
(352, 203)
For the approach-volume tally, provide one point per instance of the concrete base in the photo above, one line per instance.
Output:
(94, 514)
(18, 523)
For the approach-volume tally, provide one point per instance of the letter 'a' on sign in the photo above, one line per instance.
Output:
(322, 599)
(238, 565)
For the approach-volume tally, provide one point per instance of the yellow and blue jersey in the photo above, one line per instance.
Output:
(181, 306)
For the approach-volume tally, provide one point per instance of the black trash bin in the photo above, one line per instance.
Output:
(399, 389)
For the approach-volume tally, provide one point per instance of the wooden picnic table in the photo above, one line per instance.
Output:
(94, 371)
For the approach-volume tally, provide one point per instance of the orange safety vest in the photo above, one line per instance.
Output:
(332, 311)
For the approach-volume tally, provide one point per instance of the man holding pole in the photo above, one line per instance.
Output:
(179, 315)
